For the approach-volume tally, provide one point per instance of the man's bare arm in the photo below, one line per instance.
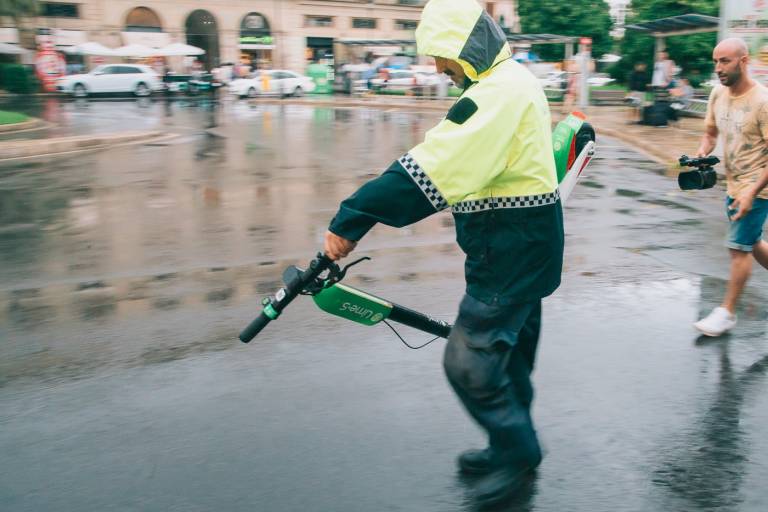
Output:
(708, 141)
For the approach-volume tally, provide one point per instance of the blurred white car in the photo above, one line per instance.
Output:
(554, 80)
(600, 80)
(273, 82)
(112, 78)
(559, 80)
(402, 79)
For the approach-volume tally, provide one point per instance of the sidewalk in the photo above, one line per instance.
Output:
(24, 149)
(663, 144)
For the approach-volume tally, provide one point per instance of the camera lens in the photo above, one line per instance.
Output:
(697, 180)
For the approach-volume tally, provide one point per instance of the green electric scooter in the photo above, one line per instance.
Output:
(573, 144)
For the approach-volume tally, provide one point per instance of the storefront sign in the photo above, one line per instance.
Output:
(257, 40)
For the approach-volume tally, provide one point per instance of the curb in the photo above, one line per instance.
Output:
(29, 124)
(16, 150)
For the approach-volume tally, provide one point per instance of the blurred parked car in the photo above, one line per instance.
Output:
(353, 78)
(400, 80)
(554, 80)
(559, 80)
(599, 80)
(112, 78)
(273, 82)
(189, 84)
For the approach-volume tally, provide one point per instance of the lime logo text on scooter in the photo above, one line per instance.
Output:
(360, 311)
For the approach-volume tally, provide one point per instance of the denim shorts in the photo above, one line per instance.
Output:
(748, 230)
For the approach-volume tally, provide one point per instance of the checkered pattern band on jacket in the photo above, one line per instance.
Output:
(422, 180)
(491, 203)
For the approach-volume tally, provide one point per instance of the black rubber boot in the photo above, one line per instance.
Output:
(503, 485)
(476, 462)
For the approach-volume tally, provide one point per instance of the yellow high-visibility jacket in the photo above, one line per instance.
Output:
(490, 160)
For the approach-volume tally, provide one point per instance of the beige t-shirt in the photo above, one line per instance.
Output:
(743, 124)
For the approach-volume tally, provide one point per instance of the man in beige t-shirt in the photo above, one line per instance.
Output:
(738, 110)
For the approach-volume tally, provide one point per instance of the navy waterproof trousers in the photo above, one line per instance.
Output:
(488, 361)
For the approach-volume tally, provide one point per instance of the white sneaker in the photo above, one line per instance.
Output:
(717, 322)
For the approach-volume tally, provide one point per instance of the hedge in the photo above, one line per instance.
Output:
(17, 79)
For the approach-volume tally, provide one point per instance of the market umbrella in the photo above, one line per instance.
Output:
(180, 49)
(90, 48)
(136, 50)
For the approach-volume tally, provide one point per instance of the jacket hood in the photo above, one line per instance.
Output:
(460, 30)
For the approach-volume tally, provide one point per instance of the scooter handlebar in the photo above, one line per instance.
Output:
(254, 328)
(284, 296)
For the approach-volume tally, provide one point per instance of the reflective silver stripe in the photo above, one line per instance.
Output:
(491, 203)
(422, 180)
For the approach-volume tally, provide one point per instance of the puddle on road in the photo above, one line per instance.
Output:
(628, 193)
(669, 204)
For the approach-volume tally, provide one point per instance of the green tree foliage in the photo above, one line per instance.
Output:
(17, 8)
(693, 53)
(585, 18)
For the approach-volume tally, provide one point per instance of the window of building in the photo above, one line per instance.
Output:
(57, 10)
(143, 19)
(363, 23)
(411, 2)
(318, 21)
(406, 24)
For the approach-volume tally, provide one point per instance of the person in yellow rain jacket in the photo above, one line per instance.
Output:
(490, 160)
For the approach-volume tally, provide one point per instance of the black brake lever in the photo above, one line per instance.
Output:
(343, 272)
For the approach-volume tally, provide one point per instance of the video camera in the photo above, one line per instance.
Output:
(704, 176)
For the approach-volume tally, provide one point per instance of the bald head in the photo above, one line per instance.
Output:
(733, 46)
(731, 58)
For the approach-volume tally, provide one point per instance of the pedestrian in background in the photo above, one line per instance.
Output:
(663, 71)
(738, 110)
(572, 83)
(638, 83)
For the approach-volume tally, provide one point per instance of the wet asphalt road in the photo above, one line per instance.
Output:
(126, 275)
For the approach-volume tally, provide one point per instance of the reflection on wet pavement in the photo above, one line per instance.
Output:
(125, 276)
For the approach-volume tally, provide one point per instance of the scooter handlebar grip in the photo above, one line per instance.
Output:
(254, 328)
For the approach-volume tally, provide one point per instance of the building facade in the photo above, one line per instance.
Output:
(274, 33)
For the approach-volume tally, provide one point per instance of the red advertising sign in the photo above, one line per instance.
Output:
(49, 67)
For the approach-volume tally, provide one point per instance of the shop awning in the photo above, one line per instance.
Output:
(678, 25)
(180, 50)
(151, 39)
(9, 35)
(520, 39)
(89, 48)
(12, 49)
(136, 50)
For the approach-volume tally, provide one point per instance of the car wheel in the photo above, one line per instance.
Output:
(142, 90)
(298, 92)
(252, 92)
(79, 91)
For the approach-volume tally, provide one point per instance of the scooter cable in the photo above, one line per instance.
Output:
(405, 342)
